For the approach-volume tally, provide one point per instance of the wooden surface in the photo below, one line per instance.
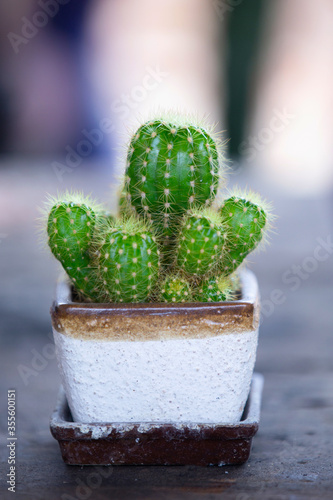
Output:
(292, 452)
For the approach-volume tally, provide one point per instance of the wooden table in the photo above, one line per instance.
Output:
(292, 452)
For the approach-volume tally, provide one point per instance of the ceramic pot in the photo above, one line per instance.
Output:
(171, 363)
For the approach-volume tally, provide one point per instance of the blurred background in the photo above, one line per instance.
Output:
(88, 71)
(76, 77)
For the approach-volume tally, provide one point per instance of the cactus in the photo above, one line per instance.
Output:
(175, 288)
(245, 222)
(127, 261)
(171, 177)
(215, 290)
(170, 168)
(125, 209)
(200, 242)
(70, 227)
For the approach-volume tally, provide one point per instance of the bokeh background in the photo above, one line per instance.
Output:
(76, 77)
(261, 70)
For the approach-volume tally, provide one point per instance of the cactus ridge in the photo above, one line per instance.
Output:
(175, 288)
(170, 168)
(70, 227)
(200, 242)
(245, 223)
(215, 290)
(127, 262)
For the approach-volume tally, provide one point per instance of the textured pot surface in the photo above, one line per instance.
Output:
(157, 362)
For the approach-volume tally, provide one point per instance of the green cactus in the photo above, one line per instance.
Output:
(125, 209)
(70, 228)
(175, 288)
(245, 222)
(170, 168)
(171, 180)
(215, 290)
(200, 242)
(127, 261)
(106, 217)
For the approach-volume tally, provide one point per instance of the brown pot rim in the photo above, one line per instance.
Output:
(156, 321)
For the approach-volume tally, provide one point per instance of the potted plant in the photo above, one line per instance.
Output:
(156, 323)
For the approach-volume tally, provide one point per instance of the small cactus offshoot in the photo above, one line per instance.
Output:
(166, 216)
(215, 290)
(175, 289)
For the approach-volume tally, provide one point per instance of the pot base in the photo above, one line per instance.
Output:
(157, 443)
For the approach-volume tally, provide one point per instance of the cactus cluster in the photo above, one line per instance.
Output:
(168, 243)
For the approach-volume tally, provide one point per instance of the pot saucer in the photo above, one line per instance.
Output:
(157, 443)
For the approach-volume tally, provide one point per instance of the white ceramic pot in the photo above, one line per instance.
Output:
(170, 363)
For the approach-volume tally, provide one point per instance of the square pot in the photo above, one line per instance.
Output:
(162, 363)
